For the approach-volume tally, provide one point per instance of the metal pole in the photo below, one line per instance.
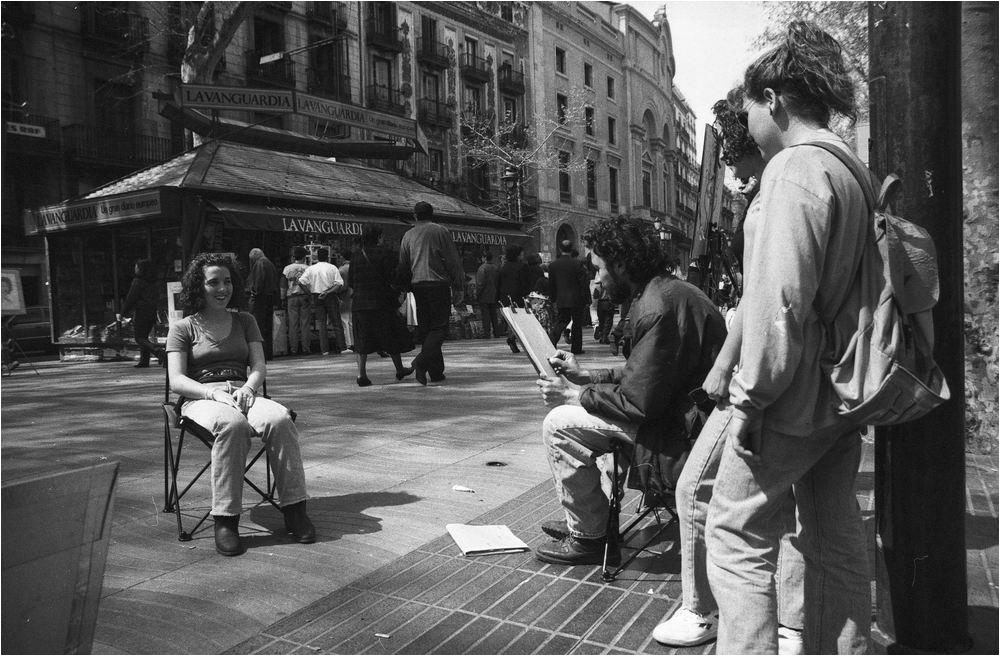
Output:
(916, 73)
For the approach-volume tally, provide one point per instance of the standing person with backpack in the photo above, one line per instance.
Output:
(804, 242)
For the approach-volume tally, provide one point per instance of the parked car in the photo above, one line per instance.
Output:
(33, 331)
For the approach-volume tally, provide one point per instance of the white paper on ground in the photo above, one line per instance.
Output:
(480, 540)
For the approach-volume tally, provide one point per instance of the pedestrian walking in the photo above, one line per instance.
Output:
(569, 282)
(804, 241)
(429, 259)
(323, 281)
(487, 291)
(513, 285)
(299, 305)
(378, 325)
(346, 302)
(605, 314)
(142, 301)
(263, 292)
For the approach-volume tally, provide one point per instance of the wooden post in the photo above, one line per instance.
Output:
(920, 466)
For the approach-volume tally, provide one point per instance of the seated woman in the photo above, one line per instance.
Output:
(209, 349)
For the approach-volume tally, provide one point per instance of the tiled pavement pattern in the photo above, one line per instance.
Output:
(434, 600)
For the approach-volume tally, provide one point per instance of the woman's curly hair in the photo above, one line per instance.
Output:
(731, 127)
(809, 71)
(631, 241)
(193, 281)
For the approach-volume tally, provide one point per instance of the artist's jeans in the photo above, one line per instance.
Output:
(266, 419)
(299, 325)
(574, 439)
(693, 493)
(744, 528)
(328, 309)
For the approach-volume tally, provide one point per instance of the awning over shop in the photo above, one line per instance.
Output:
(486, 235)
(251, 216)
(118, 208)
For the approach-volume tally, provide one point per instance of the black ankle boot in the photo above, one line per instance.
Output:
(297, 523)
(227, 535)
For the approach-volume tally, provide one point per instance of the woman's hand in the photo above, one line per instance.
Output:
(220, 395)
(244, 397)
(555, 391)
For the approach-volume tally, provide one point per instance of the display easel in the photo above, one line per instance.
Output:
(11, 344)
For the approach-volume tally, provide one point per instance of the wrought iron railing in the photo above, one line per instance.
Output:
(108, 144)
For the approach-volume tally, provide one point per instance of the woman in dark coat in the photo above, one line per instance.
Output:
(375, 312)
(142, 299)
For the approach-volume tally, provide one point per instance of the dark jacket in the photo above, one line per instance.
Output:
(487, 283)
(568, 279)
(514, 283)
(371, 272)
(143, 297)
(535, 272)
(262, 282)
(677, 333)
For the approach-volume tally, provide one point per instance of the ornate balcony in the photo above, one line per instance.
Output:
(510, 81)
(280, 73)
(432, 53)
(324, 14)
(434, 112)
(382, 35)
(385, 99)
(107, 145)
(114, 31)
(474, 68)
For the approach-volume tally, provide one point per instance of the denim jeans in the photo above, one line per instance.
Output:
(299, 325)
(574, 439)
(744, 528)
(233, 431)
(694, 491)
(328, 309)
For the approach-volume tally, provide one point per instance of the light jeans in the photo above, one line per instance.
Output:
(232, 431)
(328, 310)
(299, 324)
(694, 491)
(574, 439)
(744, 528)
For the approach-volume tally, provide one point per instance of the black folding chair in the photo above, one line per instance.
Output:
(176, 428)
(648, 504)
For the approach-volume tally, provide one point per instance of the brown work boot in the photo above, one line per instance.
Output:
(297, 523)
(227, 535)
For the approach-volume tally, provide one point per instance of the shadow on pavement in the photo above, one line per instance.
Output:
(335, 516)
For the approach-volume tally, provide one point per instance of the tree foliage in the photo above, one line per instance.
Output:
(525, 154)
(845, 21)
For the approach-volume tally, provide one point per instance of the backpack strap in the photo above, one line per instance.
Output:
(860, 172)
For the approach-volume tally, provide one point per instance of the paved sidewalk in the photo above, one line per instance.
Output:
(381, 463)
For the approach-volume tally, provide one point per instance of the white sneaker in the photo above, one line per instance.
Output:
(686, 628)
(789, 641)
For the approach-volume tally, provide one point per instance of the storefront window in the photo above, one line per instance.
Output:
(66, 273)
(98, 280)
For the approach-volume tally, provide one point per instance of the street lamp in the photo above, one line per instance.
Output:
(512, 180)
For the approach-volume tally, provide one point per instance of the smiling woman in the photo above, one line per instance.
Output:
(215, 361)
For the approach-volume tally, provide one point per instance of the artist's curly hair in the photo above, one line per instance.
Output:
(809, 71)
(632, 241)
(193, 281)
(731, 127)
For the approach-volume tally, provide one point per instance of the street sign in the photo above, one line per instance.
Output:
(242, 98)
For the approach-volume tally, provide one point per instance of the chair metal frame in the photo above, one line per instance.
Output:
(619, 537)
(174, 421)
